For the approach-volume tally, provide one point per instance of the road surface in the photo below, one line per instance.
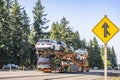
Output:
(38, 75)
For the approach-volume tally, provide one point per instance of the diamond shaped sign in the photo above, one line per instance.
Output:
(105, 29)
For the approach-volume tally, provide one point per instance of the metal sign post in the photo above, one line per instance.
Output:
(105, 61)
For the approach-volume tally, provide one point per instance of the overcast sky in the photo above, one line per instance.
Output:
(83, 16)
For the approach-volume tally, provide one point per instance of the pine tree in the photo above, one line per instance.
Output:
(114, 58)
(38, 30)
(40, 21)
(64, 29)
(54, 32)
(76, 42)
(95, 54)
(63, 32)
(5, 30)
(17, 35)
(112, 61)
(25, 38)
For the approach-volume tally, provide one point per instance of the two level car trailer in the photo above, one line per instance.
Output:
(69, 62)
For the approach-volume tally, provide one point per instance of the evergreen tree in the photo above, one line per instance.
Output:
(94, 53)
(19, 36)
(62, 32)
(40, 21)
(25, 38)
(114, 58)
(112, 61)
(64, 29)
(54, 32)
(39, 28)
(83, 43)
(5, 30)
(76, 42)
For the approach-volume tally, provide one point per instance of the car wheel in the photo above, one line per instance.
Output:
(53, 49)
(62, 49)
(82, 69)
(87, 70)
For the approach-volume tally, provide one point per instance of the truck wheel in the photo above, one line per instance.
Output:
(87, 70)
(82, 69)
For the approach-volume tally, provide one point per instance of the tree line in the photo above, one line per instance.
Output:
(18, 37)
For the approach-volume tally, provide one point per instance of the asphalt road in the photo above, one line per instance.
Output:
(38, 75)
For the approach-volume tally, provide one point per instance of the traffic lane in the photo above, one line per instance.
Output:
(57, 76)
(23, 75)
(27, 74)
(17, 74)
(97, 72)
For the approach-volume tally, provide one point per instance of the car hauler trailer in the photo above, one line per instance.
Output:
(69, 62)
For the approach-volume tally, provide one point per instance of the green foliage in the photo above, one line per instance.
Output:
(14, 31)
(38, 30)
(5, 30)
(55, 61)
(111, 57)
(17, 41)
(63, 32)
(95, 54)
(39, 23)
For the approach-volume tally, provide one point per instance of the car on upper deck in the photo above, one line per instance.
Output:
(47, 44)
(70, 49)
(62, 46)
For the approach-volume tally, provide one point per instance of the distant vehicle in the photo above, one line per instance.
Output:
(95, 68)
(116, 68)
(63, 46)
(12, 66)
(109, 68)
(70, 49)
(46, 44)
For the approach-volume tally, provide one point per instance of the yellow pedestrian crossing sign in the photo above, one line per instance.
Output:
(105, 29)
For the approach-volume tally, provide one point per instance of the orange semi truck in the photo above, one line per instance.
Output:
(68, 62)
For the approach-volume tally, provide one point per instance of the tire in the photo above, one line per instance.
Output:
(53, 49)
(62, 49)
(82, 70)
(87, 70)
